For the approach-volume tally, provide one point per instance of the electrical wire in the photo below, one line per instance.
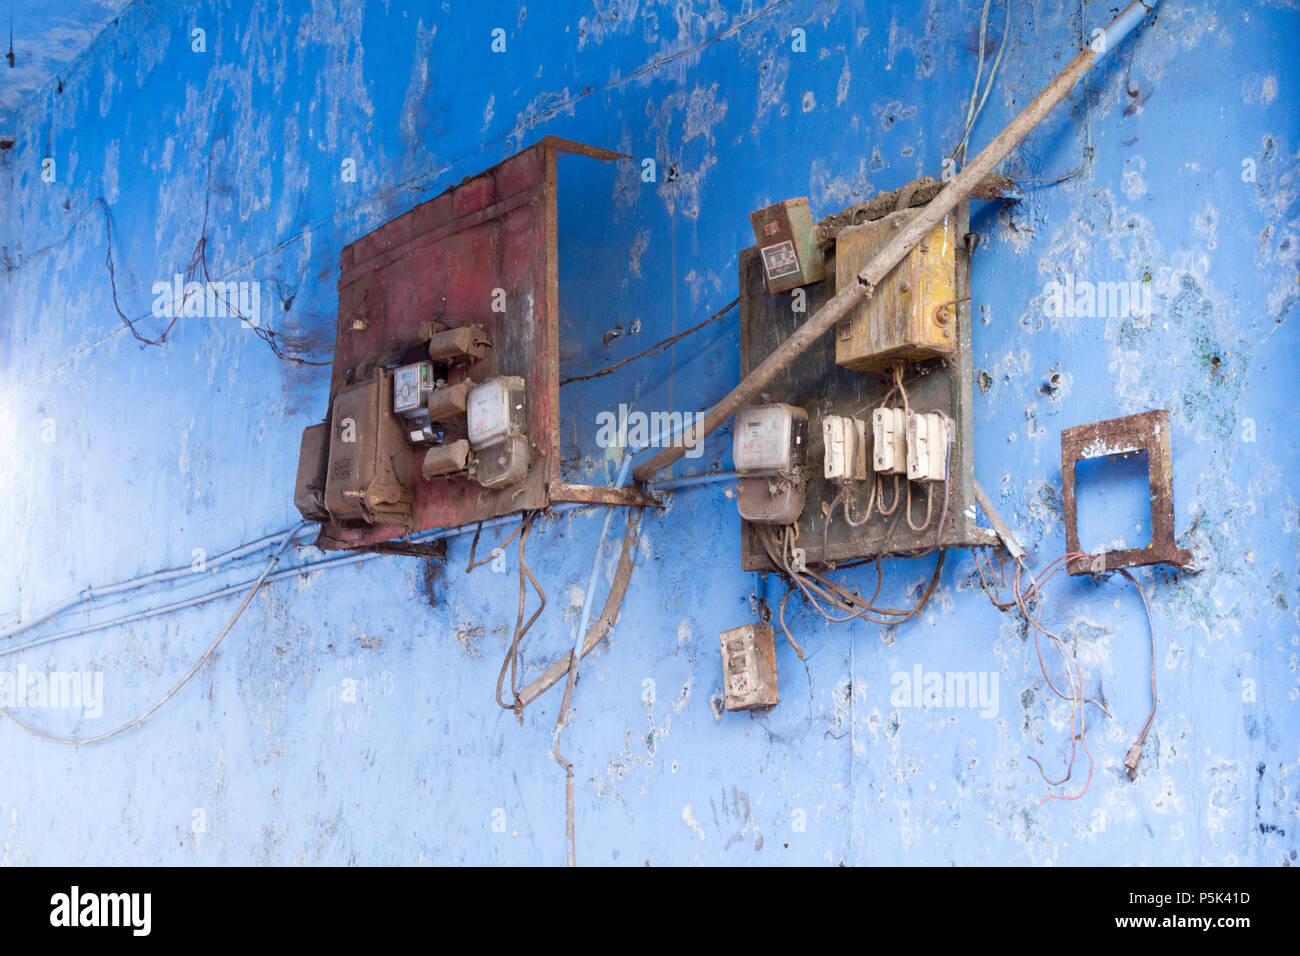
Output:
(131, 584)
(1030, 605)
(972, 110)
(512, 658)
(576, 658)
(657, 347)
(185, 678)
(1134, 756)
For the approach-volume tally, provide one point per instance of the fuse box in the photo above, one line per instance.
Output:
(844, 443)
(912, 314)
(889, 441)
(787, 241)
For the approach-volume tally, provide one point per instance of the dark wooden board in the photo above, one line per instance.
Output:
(814, 382)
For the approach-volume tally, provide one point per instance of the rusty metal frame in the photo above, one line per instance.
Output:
(439, 261)
(415, 549)
(1145, 432)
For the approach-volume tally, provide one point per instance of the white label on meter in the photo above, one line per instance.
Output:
(780, 260)
(488, 412)
(762, 441)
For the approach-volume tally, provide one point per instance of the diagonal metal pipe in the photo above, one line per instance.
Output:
(958, 188)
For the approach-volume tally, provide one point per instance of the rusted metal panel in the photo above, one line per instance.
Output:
(414, 549)
(603, 495)
(1145, 432)
(483, 253)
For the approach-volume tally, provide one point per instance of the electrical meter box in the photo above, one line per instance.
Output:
(749, 667)
(787, 241)
(770, 449)
(370, 468)
(770, 440)
(412, 386)
(829, 507)
(454, 292)
(497, 422)
(912, 314)
(313, 465)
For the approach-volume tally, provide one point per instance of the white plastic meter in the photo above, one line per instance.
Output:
(769, 449)
(489, 411)
(496, 421)
(769, 439)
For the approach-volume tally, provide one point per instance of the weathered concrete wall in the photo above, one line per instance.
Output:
(349, 715)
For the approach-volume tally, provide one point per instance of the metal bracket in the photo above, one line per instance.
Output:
(1148, 432)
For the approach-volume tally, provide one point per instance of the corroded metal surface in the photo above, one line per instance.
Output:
(1145, 432)
(480, 258)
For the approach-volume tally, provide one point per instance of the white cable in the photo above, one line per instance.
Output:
(136, 721)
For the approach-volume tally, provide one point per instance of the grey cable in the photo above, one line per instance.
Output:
(145, 715)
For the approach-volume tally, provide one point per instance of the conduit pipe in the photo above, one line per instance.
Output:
(958, 188)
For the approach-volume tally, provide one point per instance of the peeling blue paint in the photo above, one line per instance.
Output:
(349, 717)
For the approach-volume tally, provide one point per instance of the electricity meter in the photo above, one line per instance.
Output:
(412, 386)
(770, 439)
(769, 449)
(497, 424)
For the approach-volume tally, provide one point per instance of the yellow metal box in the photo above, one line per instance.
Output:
(912, 314)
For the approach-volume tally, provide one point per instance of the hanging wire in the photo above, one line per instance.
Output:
(973, 109)
(206, 656)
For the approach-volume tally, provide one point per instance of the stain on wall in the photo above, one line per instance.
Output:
(349, 715)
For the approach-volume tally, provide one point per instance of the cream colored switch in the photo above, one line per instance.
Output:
(889, 433)
(928, 437)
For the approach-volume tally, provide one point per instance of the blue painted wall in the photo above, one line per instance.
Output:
(349, 715)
